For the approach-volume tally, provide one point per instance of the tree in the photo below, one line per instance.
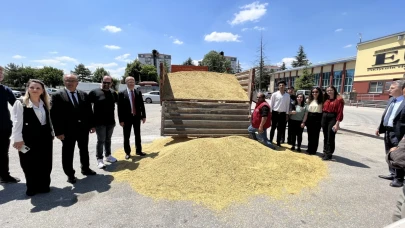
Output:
(82, 72)
(283, 66)
(188, 62)
(238, 68)
(262, 75)
(133, 69)
(216, 62)
(305, 81)
(167, 67)
(149, 73)
(155, 56)
(51, 76)
(98, 74)
(18, 76)
(301, 58)
(115, 84)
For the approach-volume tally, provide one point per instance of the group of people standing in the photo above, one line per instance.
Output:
(318, 111)
(70, 116)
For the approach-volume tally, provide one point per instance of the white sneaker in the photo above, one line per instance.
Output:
(111, 159)
(100, 164)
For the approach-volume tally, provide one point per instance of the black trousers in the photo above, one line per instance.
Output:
(37, 162)
(135, 123)
(328, 121)
(313, 130)
(294, 126)
(4, 146)
(390, 140)
(278, 120)
(68, 149)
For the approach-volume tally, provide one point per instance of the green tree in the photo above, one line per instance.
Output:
(98, 74)
(51, 76)
(133, 69)
(115, 84)
(305, 81)
(283, 66)
(238, 68)
(301, 58)
(216, 62)
(18, 76)
(188, 62)
(167, 67)
(83, 73)
(149, 73)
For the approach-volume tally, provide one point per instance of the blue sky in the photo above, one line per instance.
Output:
(108, 33)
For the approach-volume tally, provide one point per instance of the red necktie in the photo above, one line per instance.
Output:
(133, 102)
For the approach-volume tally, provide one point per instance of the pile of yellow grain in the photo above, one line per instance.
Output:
(203, 85)
(217, 172)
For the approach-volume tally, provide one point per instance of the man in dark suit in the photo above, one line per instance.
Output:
(72, 119)
(392, 125)
(131, 111)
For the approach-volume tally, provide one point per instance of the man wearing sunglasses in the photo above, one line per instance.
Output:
(104, 100)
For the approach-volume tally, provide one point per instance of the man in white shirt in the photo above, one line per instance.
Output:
(280, 106)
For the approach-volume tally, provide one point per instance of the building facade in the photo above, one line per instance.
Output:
(379, 62)
(234, 62)
(147, 58)
(339, 73)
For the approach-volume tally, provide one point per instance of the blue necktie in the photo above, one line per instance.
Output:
(388, 115)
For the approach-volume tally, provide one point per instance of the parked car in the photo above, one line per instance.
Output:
(305, 92)
(17, 94)
(152, 96)
(51, 90)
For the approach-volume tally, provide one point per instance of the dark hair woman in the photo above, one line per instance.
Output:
(296, 118)
(331, 118)
(33, 137)
(313, 118)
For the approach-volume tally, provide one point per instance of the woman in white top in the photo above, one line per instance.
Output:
(313, 119)
(33, 137)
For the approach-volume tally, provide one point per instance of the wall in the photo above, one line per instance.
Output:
(381, 60)
(177, 68)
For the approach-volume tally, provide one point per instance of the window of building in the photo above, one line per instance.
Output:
(325, 80)
(376, 87)
(287, 81)
(293, 81)
(316, 79)
(337, 80)
(275, 84)
(349, 80)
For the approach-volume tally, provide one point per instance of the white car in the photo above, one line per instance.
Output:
(17, 94)
(51, 90)
(152, 96)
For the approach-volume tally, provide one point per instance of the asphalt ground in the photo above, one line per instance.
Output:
(352, 195)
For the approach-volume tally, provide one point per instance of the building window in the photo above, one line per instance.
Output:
(349, 81)
(337, 80)
(325, 80)
(316, 79)
(275, 84)
(287, 81)
(376, 87)
(293, 81)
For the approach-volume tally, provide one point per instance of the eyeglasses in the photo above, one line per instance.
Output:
(106, 82)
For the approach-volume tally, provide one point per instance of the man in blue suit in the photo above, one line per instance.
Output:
(392, 125)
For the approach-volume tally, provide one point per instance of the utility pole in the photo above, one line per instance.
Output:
(261, 62)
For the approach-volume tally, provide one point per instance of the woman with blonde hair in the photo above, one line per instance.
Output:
(33, 137)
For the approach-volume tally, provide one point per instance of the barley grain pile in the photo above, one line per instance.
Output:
(203, 85)
(217, 172)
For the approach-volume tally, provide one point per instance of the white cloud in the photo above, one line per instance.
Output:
(112, 47)
(347, 46)
(249, 12)
(116, 73)
(222, 37)
(53, 52)
(123, 58)
(66, 59)
(93, 66)
(245, 29)
(195, 62)
(177, 41)
(111, 28)
(39, 67)
(259, 28)
(339, 30)
(18, 57)
(287, 60)
(49, 62)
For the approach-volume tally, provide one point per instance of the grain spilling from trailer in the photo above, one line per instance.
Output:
(205, 104)
(218, 172)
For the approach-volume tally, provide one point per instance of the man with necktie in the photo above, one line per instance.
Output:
(72, 119)
(393, 127)
(131, 111)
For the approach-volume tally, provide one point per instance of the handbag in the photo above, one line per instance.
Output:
(396, 158)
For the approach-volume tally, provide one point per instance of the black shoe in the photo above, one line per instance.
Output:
(9, 179)
(30, 193)
(299, 149)
(71, 180)
(140, 153)
(327, 157)
(388, 177)
(127, 156)
(396, 183)
(88, 172)
(293, 148)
